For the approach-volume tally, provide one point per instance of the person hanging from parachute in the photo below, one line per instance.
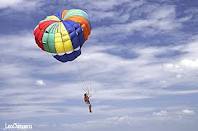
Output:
(64, 34)
(87, 96)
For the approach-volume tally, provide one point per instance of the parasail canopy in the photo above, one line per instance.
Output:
(63, 33)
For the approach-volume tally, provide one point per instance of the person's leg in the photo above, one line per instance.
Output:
(90, 108)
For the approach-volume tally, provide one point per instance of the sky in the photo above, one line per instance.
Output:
(140, 64)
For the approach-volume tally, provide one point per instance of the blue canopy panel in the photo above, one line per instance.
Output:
(68, 57)
(76, 34)
(58, 14)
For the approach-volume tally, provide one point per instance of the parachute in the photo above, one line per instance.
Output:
(63, 34)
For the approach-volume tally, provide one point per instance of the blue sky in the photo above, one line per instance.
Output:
(141, 63)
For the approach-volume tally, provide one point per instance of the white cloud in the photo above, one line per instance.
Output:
(188, 112)
(174, 113)
(159, 19)
(161, 113)
(40, 83)
(163, 13)
(9, 3)
(104, 9)
(183, 64)
(19, 5)
(120, 120)
(189, 63)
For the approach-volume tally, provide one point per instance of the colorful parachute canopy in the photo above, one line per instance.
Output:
(64, 32)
